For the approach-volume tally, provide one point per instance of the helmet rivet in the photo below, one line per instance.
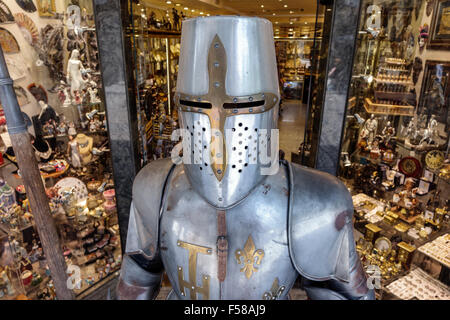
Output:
(216, 84)
(262, 96)
(250, 110)
(199, 99)
(250, 98)
(216, 64)
(219, 172)
(220, 199)
(274, 99)
(235, 111)
(219, 155)
(216, 45)
(234, 99)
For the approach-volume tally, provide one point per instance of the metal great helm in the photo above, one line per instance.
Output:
(227, 97)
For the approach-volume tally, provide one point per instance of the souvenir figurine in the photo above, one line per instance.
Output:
(388, 132)
(224, 224)
(430, 134)
(71, 131)
(72, 149)
(423, 36)
(75, 70)
(369, 129)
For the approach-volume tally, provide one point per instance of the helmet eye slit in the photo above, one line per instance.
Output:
(196, 104)
(244, 105)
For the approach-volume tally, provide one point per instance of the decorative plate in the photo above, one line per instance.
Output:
(27, 5)
(28, 28)
(434, 159)
(72, 184)
(410, 167)
(383, 244)
(8, 42)
(5, 14)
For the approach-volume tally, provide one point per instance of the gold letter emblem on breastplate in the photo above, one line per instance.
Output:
(249, 254)
(192, 284)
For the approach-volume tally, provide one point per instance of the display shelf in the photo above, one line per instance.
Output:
(387, 109)
(404, 83)
(394, 95)
(438, 249)
(417, 284)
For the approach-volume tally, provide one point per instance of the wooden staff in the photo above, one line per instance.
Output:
(31, 176)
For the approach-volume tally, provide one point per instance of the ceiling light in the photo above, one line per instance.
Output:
(186, 8)
(291, 22)
(306, 22)
(193, 10)
(201, 12)
(291, 11)
(276, 22)
(178, 4)
(168, 2)
(207, 14)
(285, 6)
(274, 14)
(262, 6)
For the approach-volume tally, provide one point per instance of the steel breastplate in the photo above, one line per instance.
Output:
(258, 265)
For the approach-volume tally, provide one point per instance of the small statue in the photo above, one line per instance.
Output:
(388, 132)
(423, 36)
(75, 72)
(430, 134)
(370, 129)
(176, 19)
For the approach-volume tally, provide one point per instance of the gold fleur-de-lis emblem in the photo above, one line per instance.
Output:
(249, 256)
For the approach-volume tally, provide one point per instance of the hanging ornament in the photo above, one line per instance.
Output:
(27, 5)
(8, 42)
(5, 14)
(28, 28)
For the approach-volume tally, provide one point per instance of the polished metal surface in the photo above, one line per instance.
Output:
(320, 245)
(227, 60)
(135, 283)
(261, 217)
(321, 211)
(148, 189)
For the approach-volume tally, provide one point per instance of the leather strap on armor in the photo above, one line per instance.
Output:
(222, 245)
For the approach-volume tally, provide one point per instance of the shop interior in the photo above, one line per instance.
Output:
(394, 151)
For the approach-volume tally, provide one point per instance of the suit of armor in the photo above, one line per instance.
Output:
(232, 221)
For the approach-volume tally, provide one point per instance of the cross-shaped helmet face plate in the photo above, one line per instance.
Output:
(217, 106)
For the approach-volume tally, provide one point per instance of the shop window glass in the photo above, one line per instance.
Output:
(52, 55)
(394, 153)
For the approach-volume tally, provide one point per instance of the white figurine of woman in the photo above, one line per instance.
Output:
(74, 152)
(74, 70)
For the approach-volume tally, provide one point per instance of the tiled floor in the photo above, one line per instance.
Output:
(292, 126)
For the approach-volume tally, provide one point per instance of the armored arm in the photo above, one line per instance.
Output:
(137, 282)
(141, 271)
(140, 275)
(335, 289)
(321, 242)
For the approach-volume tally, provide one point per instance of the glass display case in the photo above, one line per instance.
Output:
(294, 60)
(52, 55)
(154, 35)
(394, 153)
